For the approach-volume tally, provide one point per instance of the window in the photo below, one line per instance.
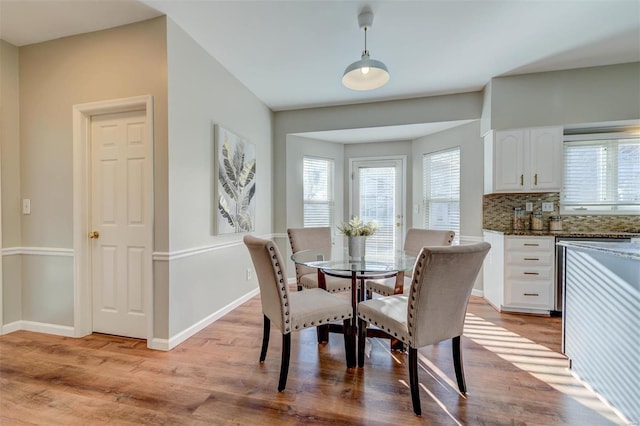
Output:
(318, 192)
(441, 175)
(601, 175)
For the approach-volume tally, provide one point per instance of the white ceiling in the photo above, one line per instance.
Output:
(291, 54)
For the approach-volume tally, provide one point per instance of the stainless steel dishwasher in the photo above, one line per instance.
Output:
(560, 266)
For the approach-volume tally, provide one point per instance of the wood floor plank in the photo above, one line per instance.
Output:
(515, 376)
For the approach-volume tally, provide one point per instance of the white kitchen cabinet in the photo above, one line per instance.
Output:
(523, 160)
(519, 273)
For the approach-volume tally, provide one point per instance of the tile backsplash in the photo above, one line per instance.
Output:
(497, 214)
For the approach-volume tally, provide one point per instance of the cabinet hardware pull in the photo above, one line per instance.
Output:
(531, 273)
(532, 294)
(535, 179)
(531, 244)
(531, 258)
(521, 180)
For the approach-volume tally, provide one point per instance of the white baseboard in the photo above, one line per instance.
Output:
(39, 327)
(158, 344)
(11, 327)
(168, 344)
(479, 293)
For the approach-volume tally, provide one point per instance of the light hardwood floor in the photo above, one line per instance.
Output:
(515, 376)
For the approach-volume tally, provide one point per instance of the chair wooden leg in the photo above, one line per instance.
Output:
(413, 380)
(323, 333)
(457, 363)
(284, 365)
(397, 345)
(265, 338)
(362, 337)
(349, 343)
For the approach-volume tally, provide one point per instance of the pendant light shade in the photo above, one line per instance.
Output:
(367, 73)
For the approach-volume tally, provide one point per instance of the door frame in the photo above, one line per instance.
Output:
(403, 192)
(82, 282)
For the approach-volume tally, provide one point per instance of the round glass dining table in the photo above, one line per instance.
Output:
(338, 263)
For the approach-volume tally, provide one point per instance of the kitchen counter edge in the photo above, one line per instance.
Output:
(627, 250)
(565, 234)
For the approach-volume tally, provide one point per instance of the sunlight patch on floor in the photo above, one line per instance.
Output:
(541, 362)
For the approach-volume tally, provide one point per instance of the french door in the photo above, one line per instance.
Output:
(378, 193)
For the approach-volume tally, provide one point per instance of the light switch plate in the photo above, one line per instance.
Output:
(547, 207)
(26, 206)
(529, 207)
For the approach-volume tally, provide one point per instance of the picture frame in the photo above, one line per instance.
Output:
(235, 171)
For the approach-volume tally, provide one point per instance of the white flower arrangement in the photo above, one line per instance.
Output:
(357, 228)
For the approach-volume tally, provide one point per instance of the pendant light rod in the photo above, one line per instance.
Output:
(365, 39)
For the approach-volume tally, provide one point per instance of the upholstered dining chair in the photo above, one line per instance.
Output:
(318, 238)
(433, 311)
(293, 311)
(413, 242)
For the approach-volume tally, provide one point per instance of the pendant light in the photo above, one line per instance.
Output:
(367, 73)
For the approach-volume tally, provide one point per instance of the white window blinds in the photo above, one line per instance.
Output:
(441, 174)
(318, 192)
(601, 176)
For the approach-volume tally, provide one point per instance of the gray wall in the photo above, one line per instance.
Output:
(11, 268)
(586, 95)
(467, 137)
(203, 93)
(191, 92)
(409, 111)
(54, 75)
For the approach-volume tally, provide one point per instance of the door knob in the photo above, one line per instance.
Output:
(94, 235)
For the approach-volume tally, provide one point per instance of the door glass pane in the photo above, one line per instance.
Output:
(377, 189)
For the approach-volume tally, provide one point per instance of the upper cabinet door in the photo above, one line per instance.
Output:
(523, 160)
(509, 166)
(545, 147)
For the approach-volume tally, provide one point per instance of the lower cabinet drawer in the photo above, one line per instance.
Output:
(529, 258)
(529, 294)
(537, 273)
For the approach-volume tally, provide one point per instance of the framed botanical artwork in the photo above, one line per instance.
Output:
(235, 187)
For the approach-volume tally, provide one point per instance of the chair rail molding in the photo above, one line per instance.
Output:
(168, 256)
(37, 251)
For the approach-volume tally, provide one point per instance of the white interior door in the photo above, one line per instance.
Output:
(378, 194)
(120, 223)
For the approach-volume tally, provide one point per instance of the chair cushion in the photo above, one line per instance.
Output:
(386, 286)
(313, 307)
(388, 313)
(334, 284)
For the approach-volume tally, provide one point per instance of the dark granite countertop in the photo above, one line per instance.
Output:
(567, 234)
(628, 250)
